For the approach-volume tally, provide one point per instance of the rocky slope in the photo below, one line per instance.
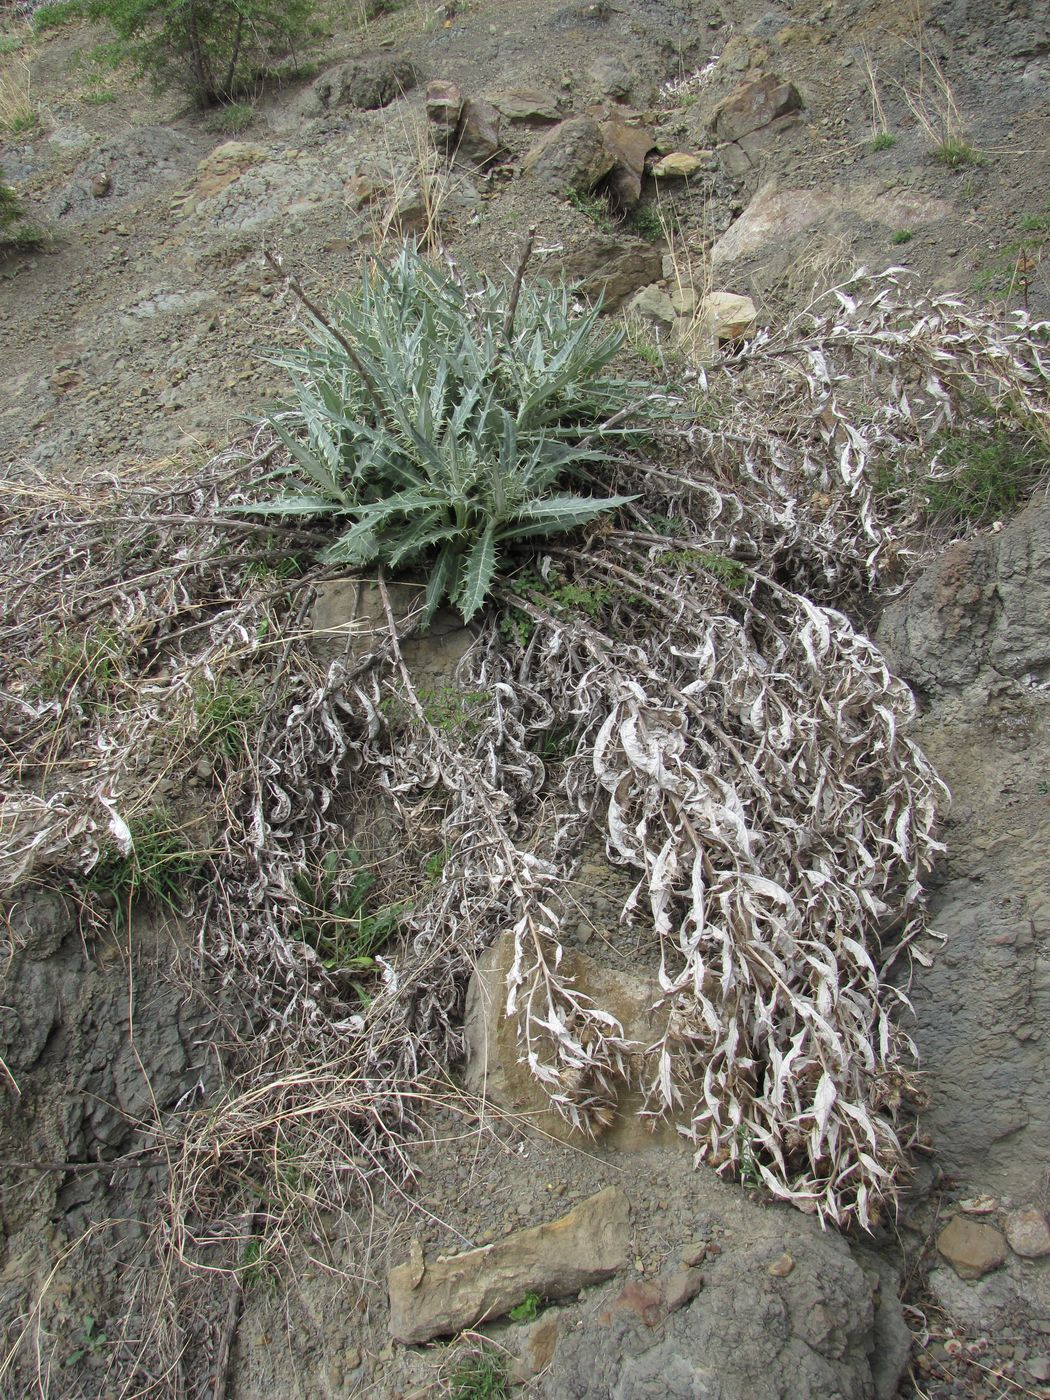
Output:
(140, 336)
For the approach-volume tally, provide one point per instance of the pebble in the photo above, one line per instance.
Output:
(780, 1268)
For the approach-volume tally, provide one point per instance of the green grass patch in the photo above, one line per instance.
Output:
(956, 153)
(341, 922)
(159, 867)
(884, 141)
(593, 207)
(684, 561)
(228, 714)
(480, 1377)
(55, 16)
(903, 235)
(645, 222)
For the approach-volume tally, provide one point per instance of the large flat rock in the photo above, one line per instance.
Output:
(587, 1246)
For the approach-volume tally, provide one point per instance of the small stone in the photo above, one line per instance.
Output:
(1038, 1367)
(979, 1205)
(972, 1249)
(694, 1253)
(679, 165)
(728, 316)
(444, 106)
(1028, 1233)
(101, 184)
(681, 1288)
(652, 304)
(780, 1268)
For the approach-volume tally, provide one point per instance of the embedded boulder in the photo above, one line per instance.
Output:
(827, 1327)
(753, 105)
(528, 106)
(365, 83)
(628, 145)
(441, 1297)
(571, 156)
(611, 267)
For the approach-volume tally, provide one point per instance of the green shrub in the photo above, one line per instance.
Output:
(441, 438)
(215, 49)
(883, 141)
(231, 119)
(987, 474)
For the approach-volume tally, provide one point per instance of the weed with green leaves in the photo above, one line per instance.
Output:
(438, 425)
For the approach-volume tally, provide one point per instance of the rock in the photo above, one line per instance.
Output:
(554, 1260)
(747, 1336)
(101, 184)
(772, 214)
(775, 216)
(611, 267)
(694, 1253)
(225, 164)
(653, 304)
(628, 145)
(680, 1288)
(984, 601)
(612, 76)
(728, 317)
(365, 83)
(679, 165)
(539, 1345)
(1028, 1233)
(347, 619)
(972, 1249)
(444, 107)
(644, 1300)
(571, 156)
(971, 634)
(494, 1070)
(683, 299)
(1038, 1367)
(782, 1267)
(477, 138)
(753, 105)
(528, 106)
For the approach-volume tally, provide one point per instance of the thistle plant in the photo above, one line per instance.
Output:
(439, 424)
